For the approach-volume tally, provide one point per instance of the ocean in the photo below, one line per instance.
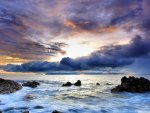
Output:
(89, 98)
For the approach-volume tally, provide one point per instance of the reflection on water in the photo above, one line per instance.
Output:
(89, 98)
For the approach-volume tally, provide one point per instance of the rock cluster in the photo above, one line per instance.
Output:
(67, 84)
(78, 83)
(32, 84)
(132, 84)
(8, 86)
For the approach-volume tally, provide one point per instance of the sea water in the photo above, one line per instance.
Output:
(89, 98)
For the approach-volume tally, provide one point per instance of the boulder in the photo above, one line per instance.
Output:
(78, 83)
(35, 82)
(8, 86)
(32, 84)
(132, 84)
(67, 84)
(97, 84)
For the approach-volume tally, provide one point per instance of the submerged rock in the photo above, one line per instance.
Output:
(108, 84)
(32, 84)
(8, 86)
(55, 111)
(133, 85)
(38, 107)
(67, 84)
(78, 83)
(29, 97)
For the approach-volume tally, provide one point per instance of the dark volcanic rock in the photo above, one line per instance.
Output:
(98, 84)
(8, 86)
(67, 84)
(55, 111)
(32, 84)
(133, 85)
(78, 83)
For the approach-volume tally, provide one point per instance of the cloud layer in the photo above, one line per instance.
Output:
(31, 30)
(110, 56)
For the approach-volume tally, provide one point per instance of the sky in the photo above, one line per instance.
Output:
(56, 35)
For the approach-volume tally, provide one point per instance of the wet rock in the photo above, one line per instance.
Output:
(67, 84)
(32, 84)
(25, 112)
(8, 86)
(132, 84)
(38, 107)
(29, 97)
(78, 83)
(55, 111)
(98, 84)
(124, 79)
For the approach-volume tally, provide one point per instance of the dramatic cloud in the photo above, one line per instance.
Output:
(109, 56)
(37, 30)
(22, 31)
(138, 47)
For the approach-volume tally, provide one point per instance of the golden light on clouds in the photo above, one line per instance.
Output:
(70, 24)
(82, 43)
(4, 60)
(108, 29)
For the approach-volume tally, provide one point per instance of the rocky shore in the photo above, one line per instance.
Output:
(133, 85)
(78, 83)
(128, 84)
(9, 86)
(32, 84)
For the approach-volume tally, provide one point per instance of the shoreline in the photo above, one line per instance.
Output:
(50, 96)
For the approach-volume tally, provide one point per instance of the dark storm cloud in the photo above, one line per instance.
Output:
(138, 47)
(68, 64)
(110, 56)
(35, 67)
